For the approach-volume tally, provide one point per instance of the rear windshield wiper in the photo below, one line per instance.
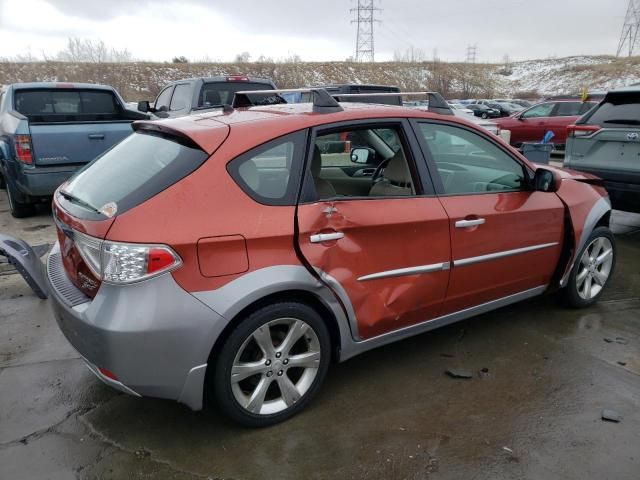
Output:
(622, 121)
(72, 198)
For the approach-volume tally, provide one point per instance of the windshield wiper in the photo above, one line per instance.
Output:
(72, 198)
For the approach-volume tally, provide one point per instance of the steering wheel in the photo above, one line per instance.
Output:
(375, 178)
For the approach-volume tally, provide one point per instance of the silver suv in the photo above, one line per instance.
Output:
(606, 143)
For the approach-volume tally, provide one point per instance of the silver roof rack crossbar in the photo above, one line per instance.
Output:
(437, 103)
(320, 98)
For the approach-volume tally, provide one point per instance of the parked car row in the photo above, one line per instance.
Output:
(50, 130)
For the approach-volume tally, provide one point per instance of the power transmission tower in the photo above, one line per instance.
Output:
(629, 35)
(472, 53)
(365, 18)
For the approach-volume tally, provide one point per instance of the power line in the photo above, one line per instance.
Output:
(629, 35)
(365, 18)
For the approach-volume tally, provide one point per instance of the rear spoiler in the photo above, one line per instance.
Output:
(154, 126)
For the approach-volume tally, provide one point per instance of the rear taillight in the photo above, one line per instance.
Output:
(575, 131)
(122, 263)
(24, 152)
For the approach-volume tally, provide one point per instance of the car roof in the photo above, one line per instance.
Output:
(224, 79)
(629, 89)
(43, 85)
(263, 123)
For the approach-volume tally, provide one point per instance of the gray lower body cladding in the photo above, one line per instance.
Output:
(154, 336)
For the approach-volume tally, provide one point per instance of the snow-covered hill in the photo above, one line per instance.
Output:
(141, 80)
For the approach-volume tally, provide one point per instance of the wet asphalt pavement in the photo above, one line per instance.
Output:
(542, 374)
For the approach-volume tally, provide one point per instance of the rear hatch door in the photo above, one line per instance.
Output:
(613, 148)
(146, 163)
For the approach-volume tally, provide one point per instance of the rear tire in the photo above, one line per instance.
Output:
(18, 207)
(592, 270)
(272, 364)
(485, 116)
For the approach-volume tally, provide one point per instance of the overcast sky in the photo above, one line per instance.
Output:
(314, 30)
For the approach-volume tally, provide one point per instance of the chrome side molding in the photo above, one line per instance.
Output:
(506, 253)
(436, 267)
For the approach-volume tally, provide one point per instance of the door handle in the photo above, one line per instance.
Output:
(96, 136)
(469, 223)
(326, 237)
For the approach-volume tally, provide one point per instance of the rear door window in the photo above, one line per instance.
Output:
(568, 109)
(617, 109)
(134, 170)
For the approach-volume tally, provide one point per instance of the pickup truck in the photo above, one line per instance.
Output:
(190, 95)
(50, 130)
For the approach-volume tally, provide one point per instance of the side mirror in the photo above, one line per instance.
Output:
(545, 181)
(360, 155)
(144, 106)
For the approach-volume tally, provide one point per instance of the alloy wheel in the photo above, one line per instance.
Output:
(595, 267)
(275, 366)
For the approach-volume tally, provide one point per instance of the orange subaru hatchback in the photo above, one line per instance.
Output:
(233, 254)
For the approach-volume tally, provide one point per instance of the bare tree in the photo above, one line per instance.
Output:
(411, 54)
(91, 51)
(243, 57)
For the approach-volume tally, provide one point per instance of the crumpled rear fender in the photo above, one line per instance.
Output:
(586, 206)
(26, 261)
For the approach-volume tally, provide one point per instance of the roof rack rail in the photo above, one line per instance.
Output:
(321, 100)
(437, 103)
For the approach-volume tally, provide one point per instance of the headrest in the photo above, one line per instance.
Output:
(212, 97)
(397, 171)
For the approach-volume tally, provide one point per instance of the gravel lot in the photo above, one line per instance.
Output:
(542, 375)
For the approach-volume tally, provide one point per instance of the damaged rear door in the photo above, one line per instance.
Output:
(387, 251)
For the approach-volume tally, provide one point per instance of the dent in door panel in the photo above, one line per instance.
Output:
(405, 240)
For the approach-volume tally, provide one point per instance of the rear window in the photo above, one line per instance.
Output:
(221, 93)
(617, 109)
(65, 103)
(136, 169)
(569, 109)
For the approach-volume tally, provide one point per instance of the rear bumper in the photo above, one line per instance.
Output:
(623, 187)
(43, 181)
(153, 336)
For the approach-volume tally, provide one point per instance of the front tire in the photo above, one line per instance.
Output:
(485, 116)
(272, 364)
(592, 270)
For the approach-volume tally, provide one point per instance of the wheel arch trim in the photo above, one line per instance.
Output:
(599, 210)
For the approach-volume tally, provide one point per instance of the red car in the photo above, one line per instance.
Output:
(532, 124)
(223, 256)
